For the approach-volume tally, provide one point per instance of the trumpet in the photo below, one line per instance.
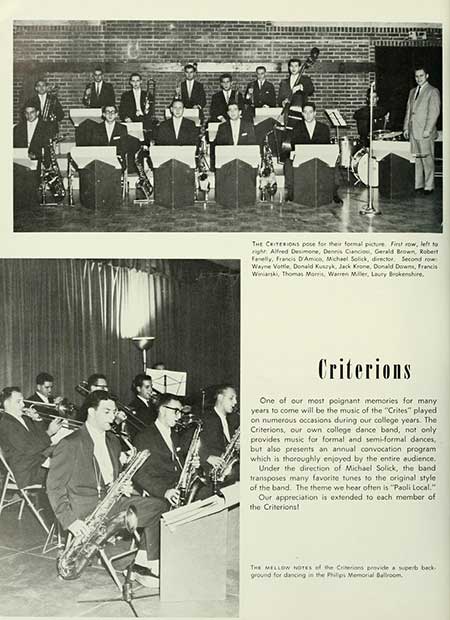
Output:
(149, 102)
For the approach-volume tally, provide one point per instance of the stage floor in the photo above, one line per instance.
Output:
(419, 213)
(30, 586)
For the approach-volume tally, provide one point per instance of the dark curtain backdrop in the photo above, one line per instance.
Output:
(73, 317)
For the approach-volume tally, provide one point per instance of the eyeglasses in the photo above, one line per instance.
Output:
(102, 387)
(176, 409)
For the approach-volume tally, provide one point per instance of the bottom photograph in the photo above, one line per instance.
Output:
(119, 437)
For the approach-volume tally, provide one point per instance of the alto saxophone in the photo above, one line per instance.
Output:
(190, 480)
(51, 176)
(202, 167)
(81, 549)
(267, 177)
(229, 458)
(143, 182)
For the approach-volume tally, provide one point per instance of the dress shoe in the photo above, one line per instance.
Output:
(427, 192)
(419, 190)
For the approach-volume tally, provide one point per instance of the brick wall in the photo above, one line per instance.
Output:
(66, 52)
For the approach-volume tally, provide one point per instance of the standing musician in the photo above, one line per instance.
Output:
(192, 93)
(235, 130)
(422, 112)
(177, 130)
(160, 473)
(295, 89)
(219, 424)
(98, 93)
(221, 99)
(142, 402)
(32, 132)
(25, 443)
(82, 467)
(135, 104)
(260, 93)
(49, 107)
(362, 118)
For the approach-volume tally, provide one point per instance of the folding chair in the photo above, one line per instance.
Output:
(10, 485)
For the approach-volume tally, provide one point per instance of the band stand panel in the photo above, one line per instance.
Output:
(395, 176)
(100, 186)
(193, 563)
(174, 184)
(236, 184)
(313, 183)
(26, 184)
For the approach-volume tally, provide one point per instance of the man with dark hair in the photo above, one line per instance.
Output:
(362, 118)
(133, 102)
(422, 113)
(219, 425)
(97, 381)
(110, 132)
(25, 443)
(177, 131)
(31, 132)
(311, 131)
(221, 99)
(142, 402)
(48, 105)
(160, 473)
(235, 130)
(98, 93)
(82, 467)
(294, 89)
(192, 93)
(260, 93)
(44, 389)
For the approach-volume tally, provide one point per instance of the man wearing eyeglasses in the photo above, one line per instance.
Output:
(160, 473)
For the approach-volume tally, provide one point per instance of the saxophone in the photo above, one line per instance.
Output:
(143, 182)
(51, 176)
(229, 458)
(202, 167)
(190, 480)
(267, 177)
(81, 549)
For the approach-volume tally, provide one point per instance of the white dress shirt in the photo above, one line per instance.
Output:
(235, 126)
(110, 129)
(137, 98)
(101, 453)
(31, 128)
(98, 88)
(42, 99)
(310, 128)
(223, 419)
(293, 80)
(177, 125)
(189, 86)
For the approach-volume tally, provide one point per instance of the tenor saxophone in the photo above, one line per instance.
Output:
(143, 182)
(267, 177)
(100, 527)
(190, 480)
(51, 176)
(229, 458)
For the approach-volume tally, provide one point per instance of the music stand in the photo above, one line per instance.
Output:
(144, 343)
(170, 381)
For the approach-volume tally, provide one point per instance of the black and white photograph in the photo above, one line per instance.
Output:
(119, 437)
(227, 126)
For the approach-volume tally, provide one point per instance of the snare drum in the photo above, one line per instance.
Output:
(360, 167)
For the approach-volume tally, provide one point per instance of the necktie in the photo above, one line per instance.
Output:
(417, 93)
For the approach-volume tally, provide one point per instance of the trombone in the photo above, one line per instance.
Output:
(48, 411)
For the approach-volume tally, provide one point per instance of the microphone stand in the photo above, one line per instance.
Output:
(370, 209)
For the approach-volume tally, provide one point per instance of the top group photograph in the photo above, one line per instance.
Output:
(227, 126)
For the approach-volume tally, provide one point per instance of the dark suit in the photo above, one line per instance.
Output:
(246, 133)
(187, 135)
(127, 108)
(321, 134)
(219, 106)
(197, 97)
(213, 440)
(362, 118)
(40, 137)
(261, 96)
(24, 450)
(161, 471)
(301, 96)
(56, 110)
(72, 486)
(37, 398)
(118, 137)
(106, 96)
(144, 413)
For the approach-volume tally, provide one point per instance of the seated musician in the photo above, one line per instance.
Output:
(177, 131)
(48, 105)
(219, 425)
(235, 130)
(161, 472)
(310, 131)
(25, 443)
(260, 93)
(362, 118)
(221, 99)
(82, 467)
(44, 389)
(110, 132)
(295, 90)
(142, 402)
(192, 93)
(31, 133)
(98, 93)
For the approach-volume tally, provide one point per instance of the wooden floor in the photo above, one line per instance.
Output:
(417, 213)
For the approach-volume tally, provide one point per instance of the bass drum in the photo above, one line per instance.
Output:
(360, 167)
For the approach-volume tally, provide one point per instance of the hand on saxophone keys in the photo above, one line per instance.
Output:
(78, 528)
(215, 461)
(128, 489)
(172, 496)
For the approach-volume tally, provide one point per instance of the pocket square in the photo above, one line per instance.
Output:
(244, 134)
